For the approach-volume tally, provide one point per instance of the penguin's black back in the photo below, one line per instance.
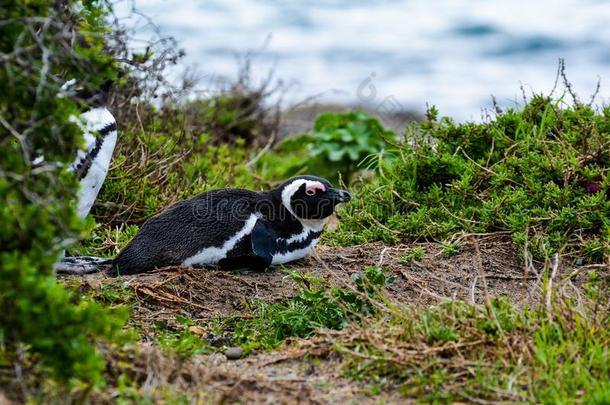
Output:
(187, 227)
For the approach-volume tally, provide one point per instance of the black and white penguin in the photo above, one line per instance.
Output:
(100, 134)
(93, 159)
(234, 228)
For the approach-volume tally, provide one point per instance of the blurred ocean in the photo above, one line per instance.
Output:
(402, 54)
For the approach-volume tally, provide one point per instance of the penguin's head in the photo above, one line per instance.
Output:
(311, 198)
(86, 95)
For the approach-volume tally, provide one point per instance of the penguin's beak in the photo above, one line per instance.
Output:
(340, 196)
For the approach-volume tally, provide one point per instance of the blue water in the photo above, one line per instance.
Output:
(399, 54)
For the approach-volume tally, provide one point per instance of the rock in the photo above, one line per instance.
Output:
(234, 353)
(196, 330)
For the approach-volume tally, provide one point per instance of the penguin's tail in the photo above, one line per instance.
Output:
(80, 265)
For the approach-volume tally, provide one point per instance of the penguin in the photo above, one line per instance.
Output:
(100, 134)
(92, 161)
(234, 229)
(99, 128)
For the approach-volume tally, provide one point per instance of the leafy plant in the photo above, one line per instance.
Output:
(345, 140)
(182, 340)
(451, 248)
(369, 285)
(298, 317)
(338, 146)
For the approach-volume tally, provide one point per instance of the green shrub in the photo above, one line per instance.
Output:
(239, 114)
(414, 255)
(339, 145)
(540, 173)
(37, 314)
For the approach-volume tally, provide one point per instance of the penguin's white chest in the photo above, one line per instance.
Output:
(297, 246)
(92, 182)
(93, 123)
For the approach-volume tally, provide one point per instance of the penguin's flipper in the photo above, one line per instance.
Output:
(264, 244)
(81, 265)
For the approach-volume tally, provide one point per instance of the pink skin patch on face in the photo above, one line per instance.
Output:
(311, 190)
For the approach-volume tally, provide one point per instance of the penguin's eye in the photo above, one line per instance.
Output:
(312, 189)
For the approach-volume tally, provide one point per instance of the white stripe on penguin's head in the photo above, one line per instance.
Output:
(294, 186)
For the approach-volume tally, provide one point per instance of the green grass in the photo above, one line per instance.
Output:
(414, 255)
(453, 351)
(112, 294)
(451, 248)
(450, 352)
(186, 340)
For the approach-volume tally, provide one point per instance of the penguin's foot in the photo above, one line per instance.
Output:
(82, 265)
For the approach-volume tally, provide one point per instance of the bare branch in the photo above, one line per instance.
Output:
(596, 92)
(567, 84)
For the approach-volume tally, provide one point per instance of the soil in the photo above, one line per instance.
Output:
(305, 371)
(204, 294)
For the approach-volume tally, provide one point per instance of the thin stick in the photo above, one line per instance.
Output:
(549, 290)
(380, 262)
(472, 289)
(586, 267)
(261, 153)
(596, 92)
